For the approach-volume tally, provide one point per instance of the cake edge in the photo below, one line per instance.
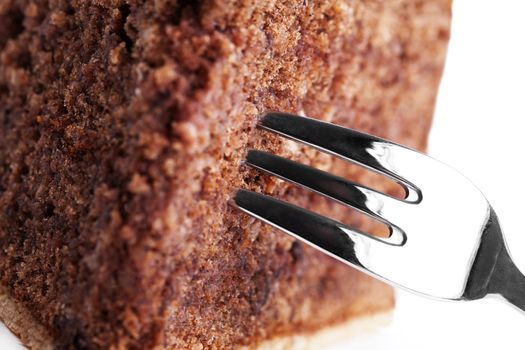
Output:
(19, 320)
(34, 336)
(330, 335)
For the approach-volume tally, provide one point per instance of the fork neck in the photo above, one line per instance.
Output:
(493, 271)
(507, 280)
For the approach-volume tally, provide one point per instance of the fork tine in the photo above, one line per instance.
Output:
(366, 150)
(318, 231)
(370, 202)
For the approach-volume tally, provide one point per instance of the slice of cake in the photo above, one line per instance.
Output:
(123, 124)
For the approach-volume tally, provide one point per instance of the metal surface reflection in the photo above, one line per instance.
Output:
(445, 238)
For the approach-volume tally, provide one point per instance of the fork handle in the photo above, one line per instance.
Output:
(507, 280)
(493, 271)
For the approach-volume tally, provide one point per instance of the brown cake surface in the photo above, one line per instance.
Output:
(122, 128)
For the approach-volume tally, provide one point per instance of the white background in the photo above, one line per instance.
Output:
(479, 128)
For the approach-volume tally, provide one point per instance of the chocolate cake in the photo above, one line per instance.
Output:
(123, 124)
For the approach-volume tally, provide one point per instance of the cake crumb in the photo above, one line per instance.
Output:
(31, 10)
(187, 132)
(165, 75)
(138, 185)
(170, 167)
(58, 18)
(115, 55)
(197, 346)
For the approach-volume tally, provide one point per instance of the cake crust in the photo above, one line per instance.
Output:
(21, 322)
(122, 128)
(35, 337)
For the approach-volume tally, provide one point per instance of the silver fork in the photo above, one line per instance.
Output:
(445, 240)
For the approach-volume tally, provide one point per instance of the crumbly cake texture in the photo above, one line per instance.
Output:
(122, 128)
(32, 333)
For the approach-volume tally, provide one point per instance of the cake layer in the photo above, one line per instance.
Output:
(21, 322)
(122, 129)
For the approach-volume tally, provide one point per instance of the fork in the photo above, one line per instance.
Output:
(445, 241)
